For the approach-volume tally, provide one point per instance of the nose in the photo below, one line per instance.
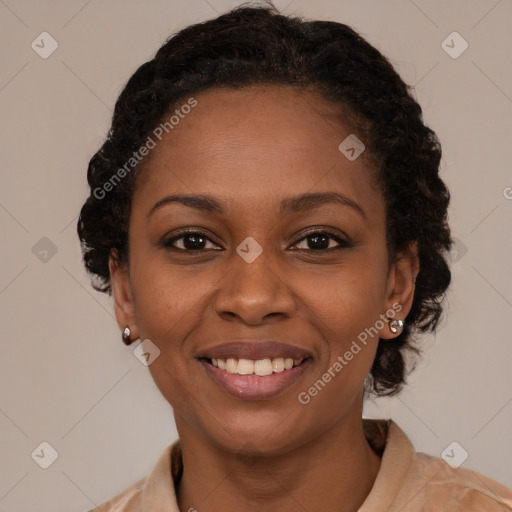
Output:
(254, 293)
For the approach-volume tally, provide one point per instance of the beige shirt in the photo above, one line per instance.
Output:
(407, 481)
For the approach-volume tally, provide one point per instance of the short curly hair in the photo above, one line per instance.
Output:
(254, 45)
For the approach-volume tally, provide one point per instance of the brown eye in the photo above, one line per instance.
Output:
(321, 241)
(189, 241)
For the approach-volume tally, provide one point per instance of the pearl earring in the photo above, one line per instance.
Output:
(396, 325)
(126, 336)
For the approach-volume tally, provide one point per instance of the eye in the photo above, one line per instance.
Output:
(189, 241)
(320, 241)
(316, 241)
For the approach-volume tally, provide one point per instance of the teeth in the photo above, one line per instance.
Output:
(278, 365)
(261, 367)
(245, 367)
(231, 365)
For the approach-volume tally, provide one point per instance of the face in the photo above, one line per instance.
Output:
(289, 248)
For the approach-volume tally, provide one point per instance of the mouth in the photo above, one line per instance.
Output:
(260, 367)
(259, 370)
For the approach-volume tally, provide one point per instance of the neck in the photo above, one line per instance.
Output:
(335, 471)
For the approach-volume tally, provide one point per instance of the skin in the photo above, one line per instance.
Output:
(251, 149)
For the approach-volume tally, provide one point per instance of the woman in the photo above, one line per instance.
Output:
(268, 214)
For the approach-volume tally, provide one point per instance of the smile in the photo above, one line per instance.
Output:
(263, 379)
(261, 367)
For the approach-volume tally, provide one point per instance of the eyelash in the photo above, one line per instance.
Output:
(343, 244)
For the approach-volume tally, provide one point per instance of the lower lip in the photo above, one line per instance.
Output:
(253, 387)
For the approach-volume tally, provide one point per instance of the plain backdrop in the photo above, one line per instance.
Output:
(68, 380)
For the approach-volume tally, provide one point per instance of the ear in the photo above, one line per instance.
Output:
(122, 291)
(400, 287)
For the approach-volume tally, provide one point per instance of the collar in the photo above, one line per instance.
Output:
(384, 436)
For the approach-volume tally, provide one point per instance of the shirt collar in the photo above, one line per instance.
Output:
(385, 437)
(158, 492)
(397, 458)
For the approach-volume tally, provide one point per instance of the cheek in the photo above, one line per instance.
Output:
(169, 306)
(346, 312)
(166, 297)
(345, 308)
(166, 314)
(348, 302)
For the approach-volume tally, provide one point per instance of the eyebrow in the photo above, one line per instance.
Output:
(289, 205)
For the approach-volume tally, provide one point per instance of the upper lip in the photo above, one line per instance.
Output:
(254, 349)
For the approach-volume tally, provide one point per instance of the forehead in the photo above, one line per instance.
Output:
(253, 142)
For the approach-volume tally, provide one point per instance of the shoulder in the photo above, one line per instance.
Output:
(410, 481)
(126, 501)
(433, 484)
(158, 487)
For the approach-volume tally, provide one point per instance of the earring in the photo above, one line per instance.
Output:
(396, 325)
(126, 336)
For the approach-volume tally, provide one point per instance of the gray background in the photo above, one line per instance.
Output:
(66, 377)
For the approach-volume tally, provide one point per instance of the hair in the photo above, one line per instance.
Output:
(255, 46)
